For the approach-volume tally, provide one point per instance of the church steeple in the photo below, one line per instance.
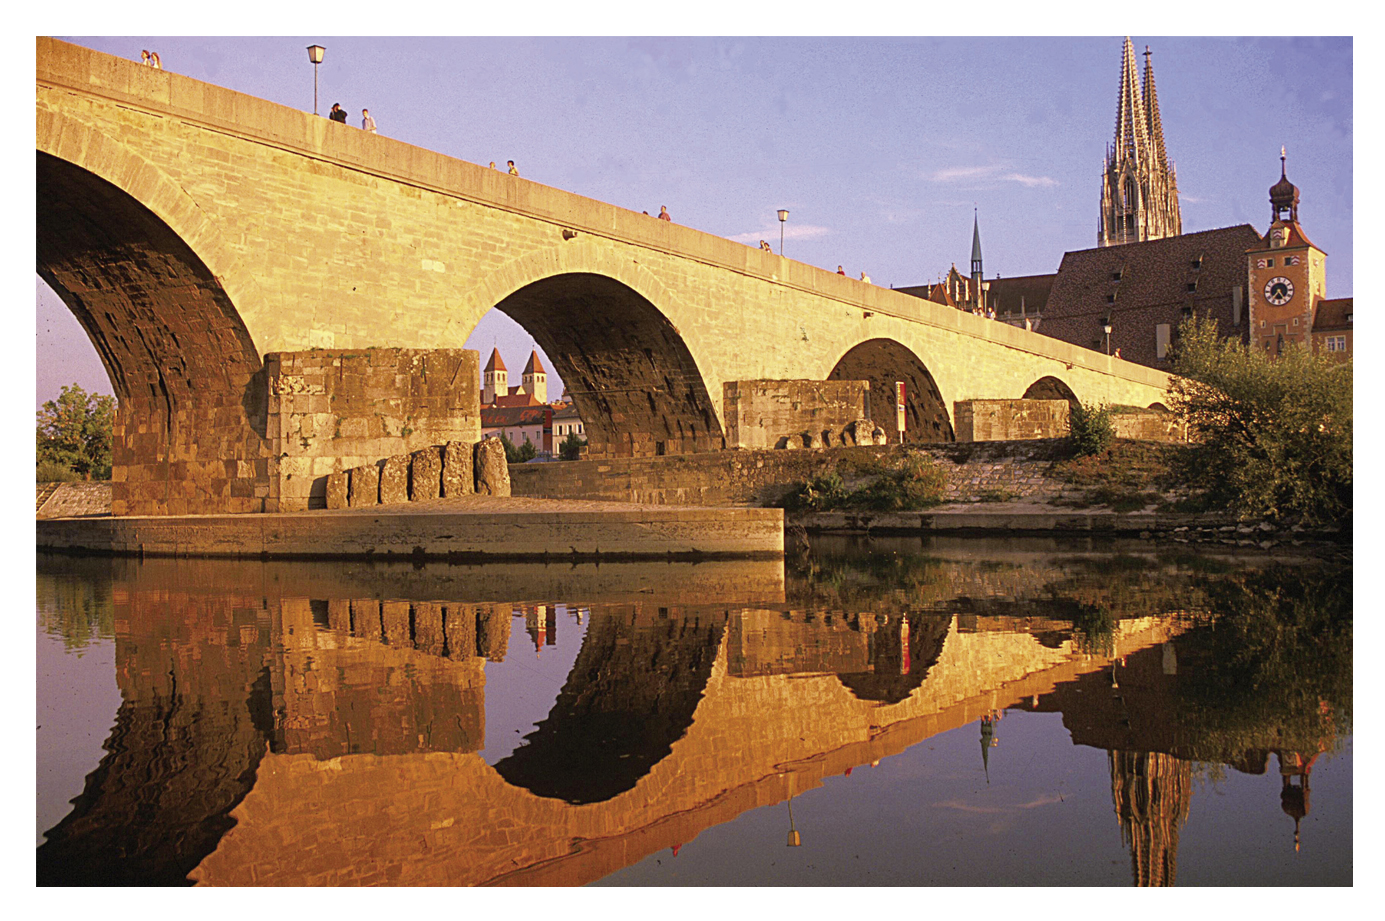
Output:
(1139, 191)
(975, 250)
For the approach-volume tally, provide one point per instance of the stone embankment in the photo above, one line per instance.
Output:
(444, 471)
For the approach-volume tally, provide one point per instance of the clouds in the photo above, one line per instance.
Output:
(989, 176)
(791, 232)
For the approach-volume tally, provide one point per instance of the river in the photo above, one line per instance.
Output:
(896, 711)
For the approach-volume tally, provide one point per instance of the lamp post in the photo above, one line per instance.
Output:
(795, 840)
(315, 53)
(783, 216)
(1107, 327)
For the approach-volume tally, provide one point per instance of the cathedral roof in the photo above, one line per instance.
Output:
(1142, 285)
(495, 364)
(498, 416)
(1007, 294)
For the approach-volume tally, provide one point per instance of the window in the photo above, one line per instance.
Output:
(1110, 298)
(1197, 263)
(1295, 321)
(1116, 275)
(1161, 340)
(1192, 286)
(1336, 343)
(1269, 263)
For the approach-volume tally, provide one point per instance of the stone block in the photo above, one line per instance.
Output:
(492, 470)
(337, 490)
(365, 486)
(394, 480)
(425, 474)
(458, 478)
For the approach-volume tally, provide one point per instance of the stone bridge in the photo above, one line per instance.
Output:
(204, 237)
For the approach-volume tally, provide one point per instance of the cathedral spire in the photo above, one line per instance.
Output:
(1139, 193)
(1155, 127)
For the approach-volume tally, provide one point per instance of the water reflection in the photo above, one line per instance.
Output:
(326, 723)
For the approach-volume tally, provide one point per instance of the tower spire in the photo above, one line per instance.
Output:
(975, 246)
(1155, 128)
(1139, 193)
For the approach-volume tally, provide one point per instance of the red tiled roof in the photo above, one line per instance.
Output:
(495, 364)
(1332, 314)
(504, 416)
(1006, 294)
(516, 397)
(534, 366)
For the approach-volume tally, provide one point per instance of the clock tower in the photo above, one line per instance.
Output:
(1287, 275)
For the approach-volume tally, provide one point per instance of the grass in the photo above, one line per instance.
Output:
(1126, 477)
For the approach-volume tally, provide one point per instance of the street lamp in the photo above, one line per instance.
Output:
(315, 53)
(1107, 327)
(783, 216)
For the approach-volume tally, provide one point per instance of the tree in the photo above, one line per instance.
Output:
(571, 447)
(1271, 437)
(524, 452)
(76, 430)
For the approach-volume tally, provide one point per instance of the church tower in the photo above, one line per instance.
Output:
(977, 288)
(534, 380)
(1288, 274)
(494, 379)
(1139, 190)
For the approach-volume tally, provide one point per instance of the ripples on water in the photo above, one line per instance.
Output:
(886, 712)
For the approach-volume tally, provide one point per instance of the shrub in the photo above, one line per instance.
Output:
(75, 431)
(915, 482)
(1272, 437)
(571, 447)
(1090, 429)
(53, 472)
(524, 452)
(820, 494)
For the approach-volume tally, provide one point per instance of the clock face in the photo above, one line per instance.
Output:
(1279, 291)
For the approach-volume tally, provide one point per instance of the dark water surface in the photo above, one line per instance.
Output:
(886, 712)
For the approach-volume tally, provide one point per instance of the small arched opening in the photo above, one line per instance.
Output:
(1051, 388)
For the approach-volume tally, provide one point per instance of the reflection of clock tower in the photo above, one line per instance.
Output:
(1287, 275)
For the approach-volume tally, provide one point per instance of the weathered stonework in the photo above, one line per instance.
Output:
(492, 470)
(458, 478)
(761, 413)
(332, 410)
(365, 485)
(394, 480)
(338, 490)
(1010, 420)
(425, 474)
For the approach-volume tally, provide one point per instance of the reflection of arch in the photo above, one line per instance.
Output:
(883, 362)
(179, 357)
(629, 372)
(893, 677)
(1050, 388)
(630, 695)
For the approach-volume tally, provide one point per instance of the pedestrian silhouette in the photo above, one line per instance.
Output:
(513, 171)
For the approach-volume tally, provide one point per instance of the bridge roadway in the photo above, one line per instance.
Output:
(195, 231)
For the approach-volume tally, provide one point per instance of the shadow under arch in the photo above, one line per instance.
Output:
(883, 362)
(1051, 388)
(893, 675)
(630, 374)
(192, 408)
(631, 694)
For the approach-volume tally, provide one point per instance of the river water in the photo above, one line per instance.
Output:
(918, 711)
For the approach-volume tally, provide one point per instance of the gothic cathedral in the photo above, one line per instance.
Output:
(1139, 191)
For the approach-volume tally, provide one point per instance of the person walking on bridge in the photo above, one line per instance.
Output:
(513, 170)
(338, 114)
(663, 214)
(367, 123)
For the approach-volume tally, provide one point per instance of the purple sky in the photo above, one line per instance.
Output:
(879, 148)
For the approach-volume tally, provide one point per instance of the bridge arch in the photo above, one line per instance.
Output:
(630, 372)
(191, 420)
(883, 362)
(1051, 388)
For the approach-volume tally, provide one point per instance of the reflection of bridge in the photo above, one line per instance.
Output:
(194, 230)
(339, 735)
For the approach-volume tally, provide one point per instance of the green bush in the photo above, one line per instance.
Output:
(54, 472)
(914, 482)
(571, 447)
(524, 452)
(1271, 436)
(75, 431)
(1090, 429)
